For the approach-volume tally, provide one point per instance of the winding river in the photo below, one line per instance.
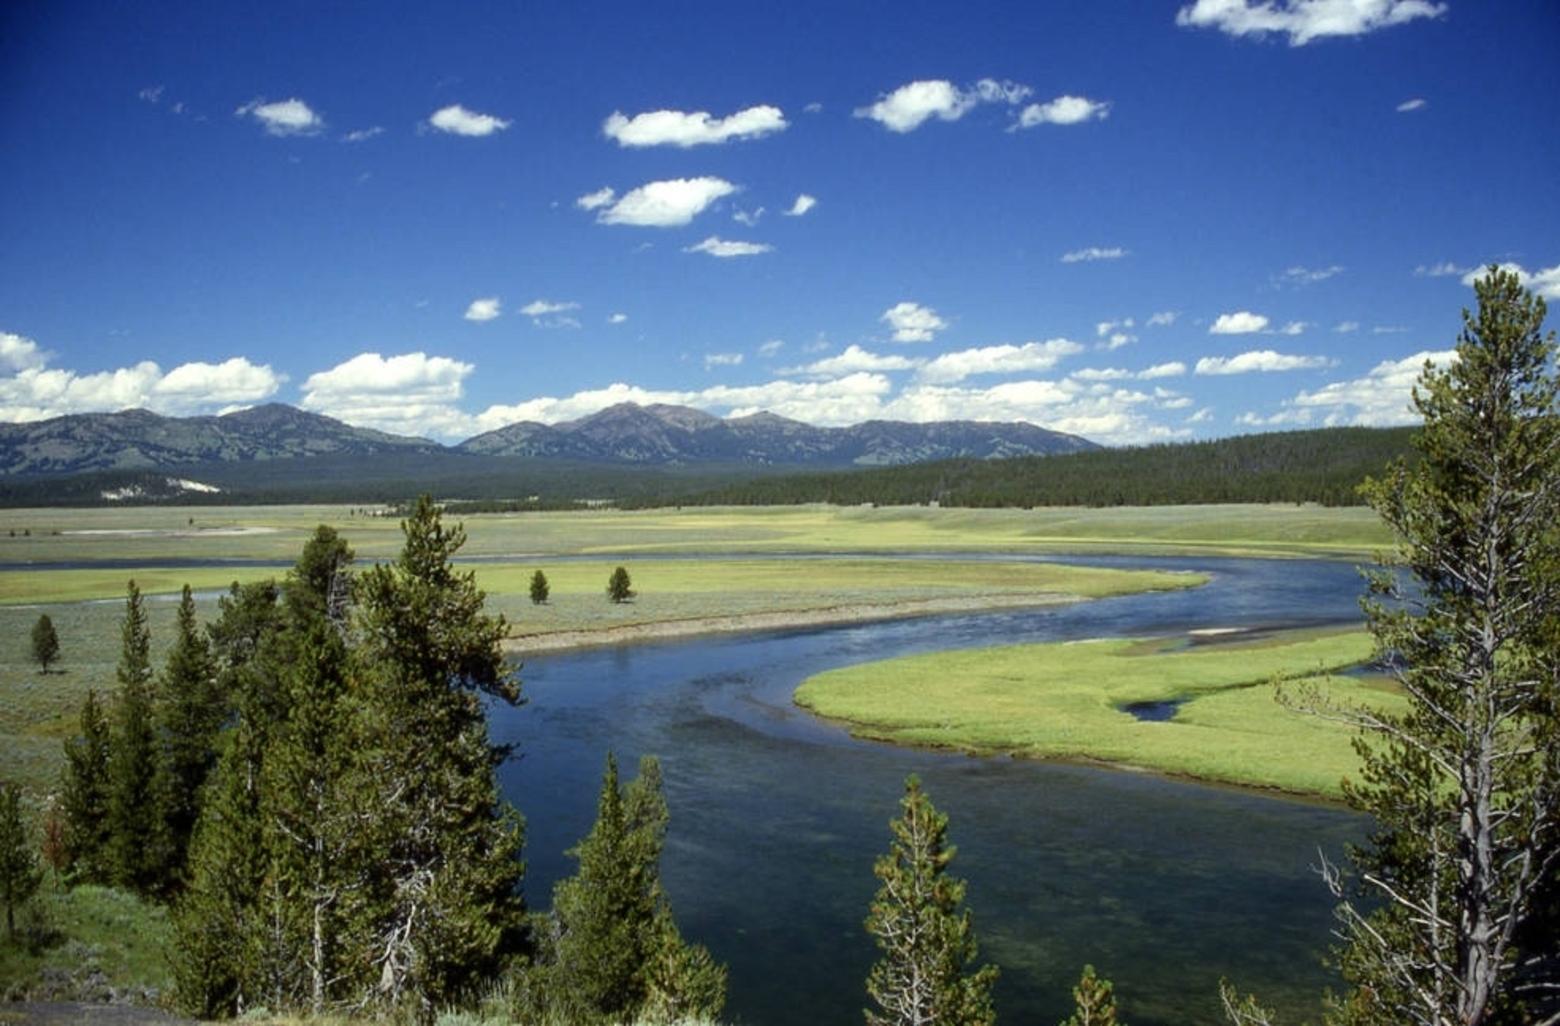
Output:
(1165, 886)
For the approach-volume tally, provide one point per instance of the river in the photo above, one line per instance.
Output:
(1165, 886)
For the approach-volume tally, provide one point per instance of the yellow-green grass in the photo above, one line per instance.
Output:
(84, 930)
(38, 711)
(1063, 701)
(278, 532)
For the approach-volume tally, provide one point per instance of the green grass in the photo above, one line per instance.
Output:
(278, 532)
(85, 930)
(1062, 701)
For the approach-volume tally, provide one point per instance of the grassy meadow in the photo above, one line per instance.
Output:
(1065, 701)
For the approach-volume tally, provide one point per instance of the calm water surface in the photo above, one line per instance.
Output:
(1164, 886)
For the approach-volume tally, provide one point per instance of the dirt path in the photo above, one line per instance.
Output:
(48, 1013)
(780, 620)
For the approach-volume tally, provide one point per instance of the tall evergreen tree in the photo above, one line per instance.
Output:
(1094, 1002)
(84, 801)
(20, 873)
(539, 588)
(1465, 785)
(190, 714)
(443, 902)
(136, 824)
(45, 643)
(619, 586)
(926, 939)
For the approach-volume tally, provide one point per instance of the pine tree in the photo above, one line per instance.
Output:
(138, 846)
(539, 588)
(441, 902)
(191, 714)
(45, 643)
(1094, 1002)
(618, 586)
(927, 941)
(84, 798)
(20, 873)
(1465, 785)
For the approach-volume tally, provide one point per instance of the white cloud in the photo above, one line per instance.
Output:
(37, 392)
(1444, 269)
(1346, 327)
(908, 107)
(362, 134)
(1545, 282)
(665, 204)
(1263, 360)
(722, 360)
(484, 309)
(1091, 253)
(1104, 328)
(1417, 103)
(1173, 369)
(1241, 322)
(1098, 411)
(1101, 374)
(802, 204)
(1304, 20)
(151, 94)
(543, 307)
(1296, 277)
(853, 360)
(1201, 416)
(457, 120)
(750, 218)
(594, 200)
(1379, 399)
(1116, 341)
(913, 322)
(718, 247)
(411, 394)
(1293, 328)
(284, 117)
(1064, 110)
(1388, 329)
(680, 128)
(617, 318)
(1004, 359)
(1163, 319)
(18, 353)
(771, 347)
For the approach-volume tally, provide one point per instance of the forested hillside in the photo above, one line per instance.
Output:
(1324, 466)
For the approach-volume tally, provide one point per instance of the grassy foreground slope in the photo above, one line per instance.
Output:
(1065, 701)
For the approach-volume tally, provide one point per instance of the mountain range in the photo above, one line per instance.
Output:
(626, 434)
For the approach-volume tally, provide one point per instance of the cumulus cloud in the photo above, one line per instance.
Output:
(1101, 374)
(1098, 411)
(853, 360)
(617, 318)
(1064, 110)
(411, 394)
(718, 247)
(543, 307)
(1346, 327)
(802, 204)
(722, 360)
(1444, 269)
(1116, 341)
(38, 392)
(665, 204)
(1296, 277)
(771, 347)
(1104, 328)
(1545, 282)
(911, 105)
(1004, 359)
(1173, 369)
(283, 117)
(457, 120)
(1163, 319)
(484, 309)
(362, 134)
(1379, 399)
(1241, 322)
(1091, 253)
(698, 128)
(1304, 21)
(913, 322)
(1417, 103)
(1293, 328)
(1263, 360)
(750, 218)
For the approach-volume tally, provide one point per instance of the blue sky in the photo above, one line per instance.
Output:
(1134, 221)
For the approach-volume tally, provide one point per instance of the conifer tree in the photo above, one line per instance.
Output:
(45, 643)
(1094, 1002)
(619, 587)
(441, 903)
(191, 714)
(137, 836)
(20, 873)
(84, 798)
(926, 939)
(539, 588)
(1465, 785)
